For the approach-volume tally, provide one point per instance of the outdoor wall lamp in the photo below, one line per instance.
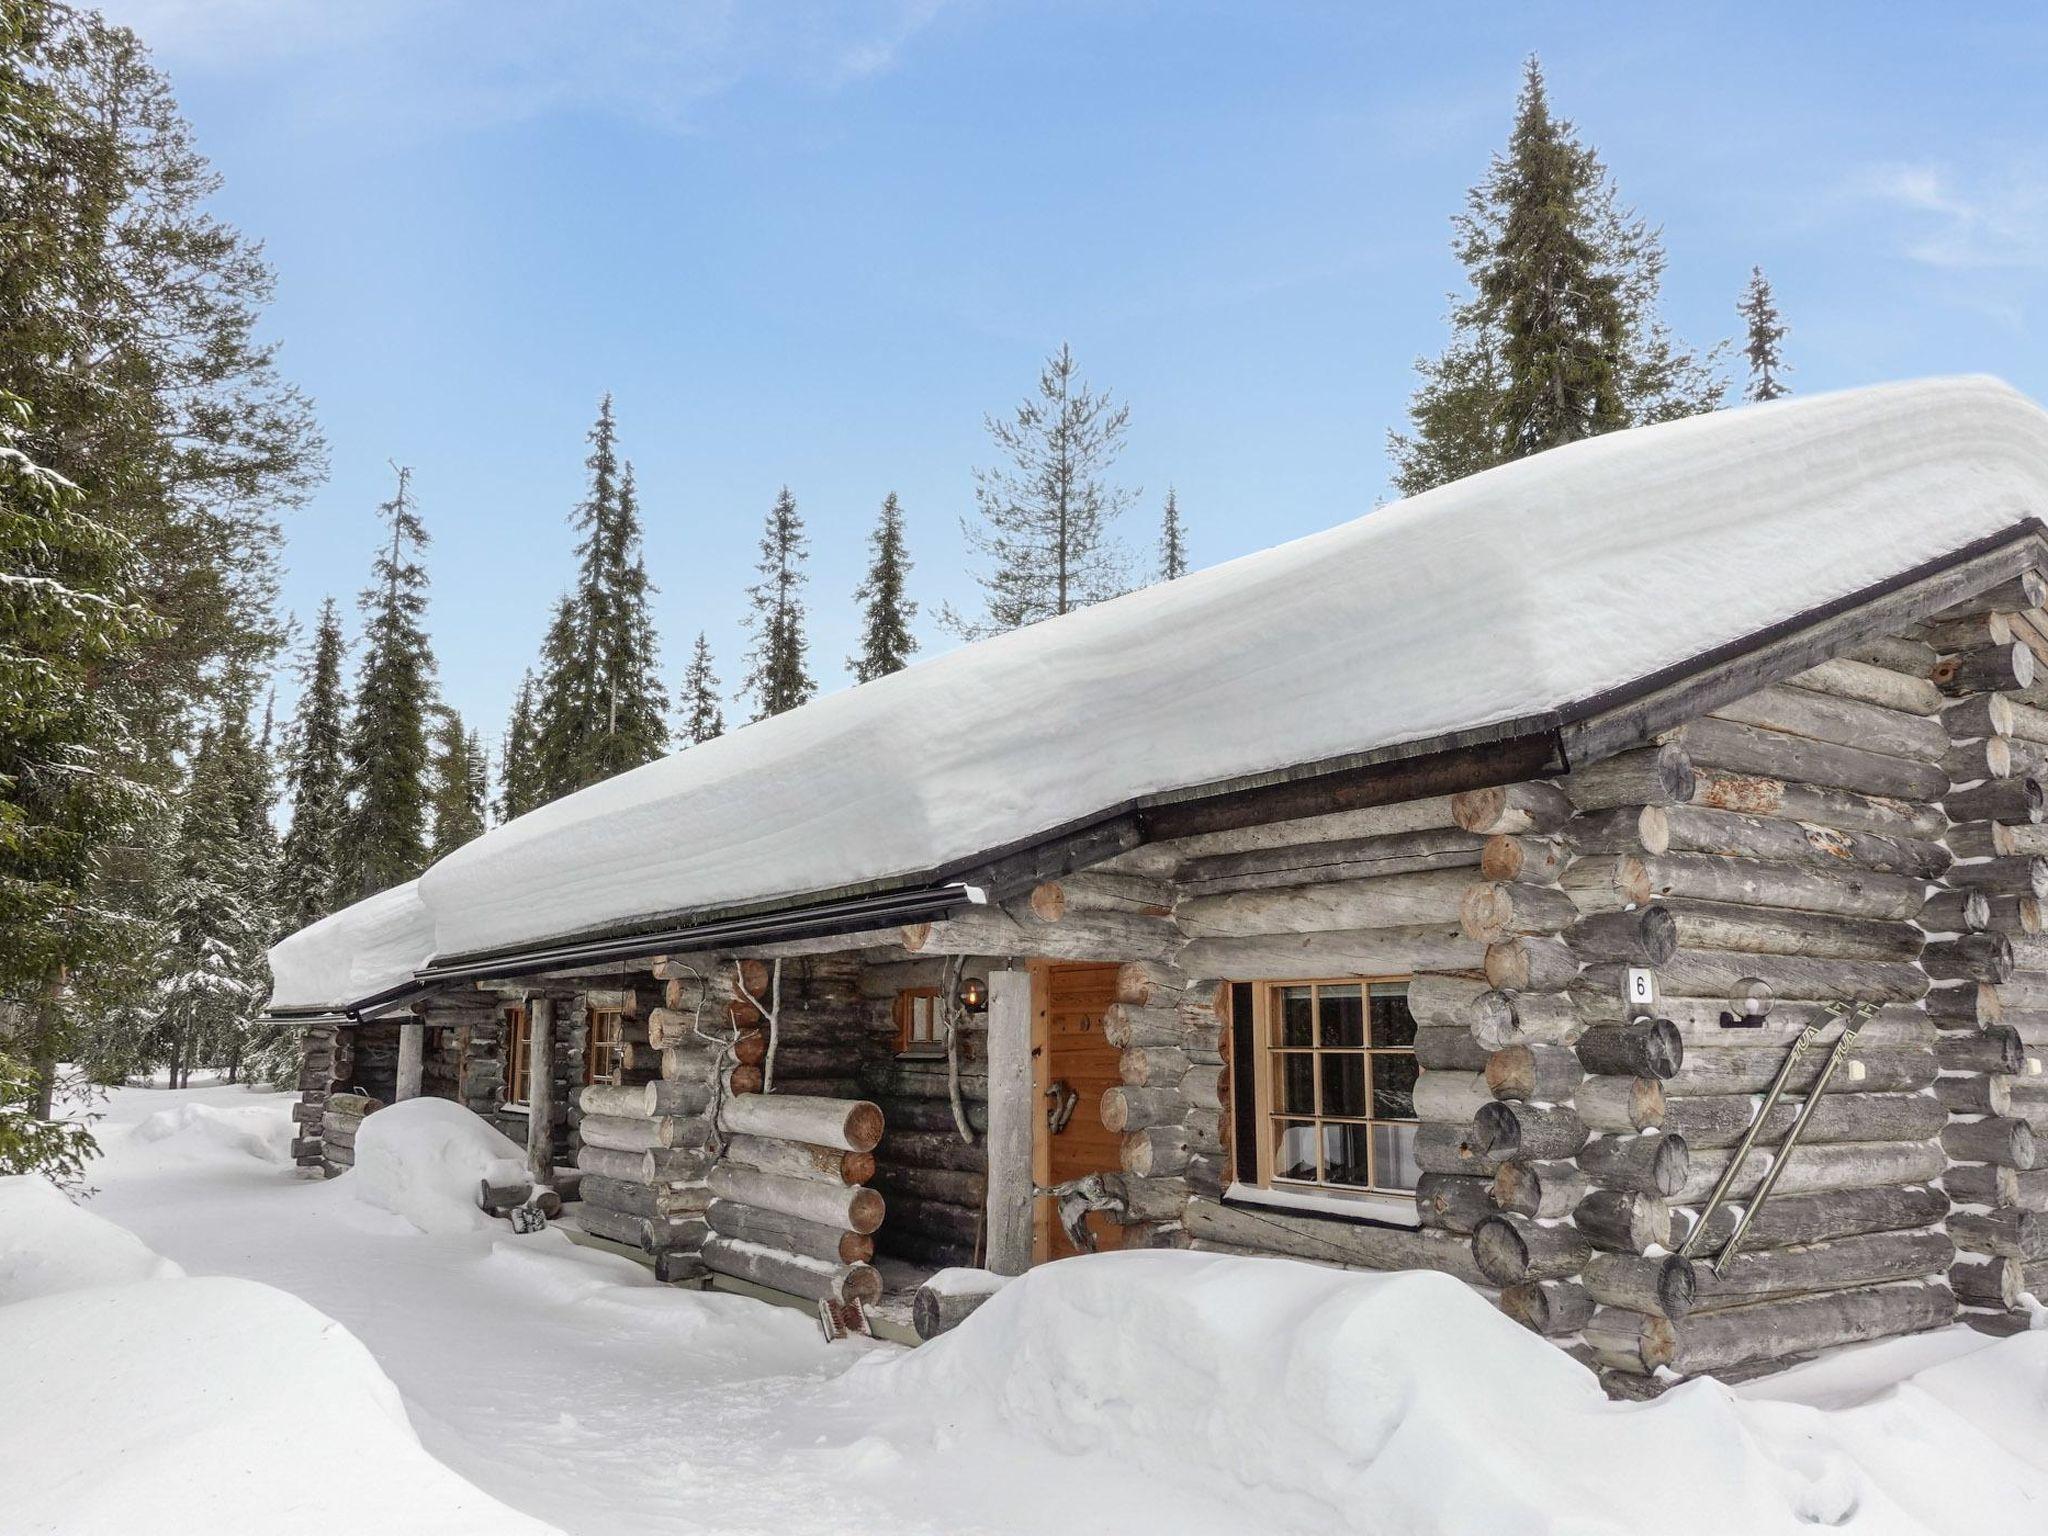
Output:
(973, 995)
(1748, 1004)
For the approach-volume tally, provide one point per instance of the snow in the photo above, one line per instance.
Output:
(424, 1160)
(1504, 595)
(1137, 1391)
(355, 953)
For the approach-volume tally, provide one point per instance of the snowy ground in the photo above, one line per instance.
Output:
(1139, 1392)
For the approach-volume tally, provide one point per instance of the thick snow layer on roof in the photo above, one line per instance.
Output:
(1503, 595)
(353, 954)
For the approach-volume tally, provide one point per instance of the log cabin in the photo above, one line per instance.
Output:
(1489, 885)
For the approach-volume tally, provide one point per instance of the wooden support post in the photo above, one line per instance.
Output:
(412, 1054)
(540, 1091)
(1012, 1116)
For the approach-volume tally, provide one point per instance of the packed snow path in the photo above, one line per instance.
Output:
(1138, 1392)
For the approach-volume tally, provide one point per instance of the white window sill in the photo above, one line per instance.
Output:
(1394, 1210)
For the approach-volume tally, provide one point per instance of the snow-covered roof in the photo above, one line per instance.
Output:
(353, 954)
(1507, 594)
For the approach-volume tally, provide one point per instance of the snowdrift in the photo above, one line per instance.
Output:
(203, 1130)
(422, 1159)
(1519, 590)
(1404, 1402)
(137, 1401)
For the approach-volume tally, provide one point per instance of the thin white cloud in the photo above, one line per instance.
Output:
(1983, 223)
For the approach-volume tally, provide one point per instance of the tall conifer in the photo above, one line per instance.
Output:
(456, 803)
(703, 715)
(518, 774)
(1765, 337)
(316, 779)
(1173, 549)
(386, 841)
(886, 643)
(778, 677)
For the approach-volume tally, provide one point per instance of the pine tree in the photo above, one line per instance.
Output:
(600, 706)
(456, 802)
(1173, 550)
(777, 677)
(386, 842)
(316, 778)
(886, 643)
(1047, 516)
(1559, 338)
(703, 717)
(518, 774)
(251, 792)
(1766, 333)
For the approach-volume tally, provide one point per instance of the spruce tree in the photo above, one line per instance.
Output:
(1048, 517)
(518, 774)
(886, 643)
(386, 841)
(777, 676)
(600, 705)
(1173, 550)
(456, 803)
(1559, 337)
(1765, 335)
(703, 716)
(251, 791)
(316, 778)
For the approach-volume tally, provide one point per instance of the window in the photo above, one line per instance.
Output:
(604, 1045)
(1337, 1085)
(920, 1022)
(516, 1039)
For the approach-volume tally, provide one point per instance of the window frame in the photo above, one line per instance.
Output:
(903, 1008)
(1265, 1018)
(597, 1039)
(518, 1040)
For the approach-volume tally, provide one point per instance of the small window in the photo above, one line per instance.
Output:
(1337, 1090)
(604, 1045)
(516, 1048)
(920, 1023)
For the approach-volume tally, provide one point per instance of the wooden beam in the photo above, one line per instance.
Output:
(540, 1091)
(1012, 1120)
(412, 1056)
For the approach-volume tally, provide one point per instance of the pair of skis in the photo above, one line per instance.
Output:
(1844, 1043)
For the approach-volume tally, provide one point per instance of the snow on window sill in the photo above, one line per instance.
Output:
(1393, 1210)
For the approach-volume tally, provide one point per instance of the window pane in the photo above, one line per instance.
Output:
(1344, 1083)
(1295, 1077)
(1392, 1023)
(1343, 1013)
(1393, 1148)
(1297, 1016)
(1344, 1154)
(1393, 1086)
(1294, 1155)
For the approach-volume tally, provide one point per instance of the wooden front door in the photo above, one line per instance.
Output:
(1075, 1059)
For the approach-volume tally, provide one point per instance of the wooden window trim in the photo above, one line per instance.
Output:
(904, 1012)
(1264, 1015)
(604, 1037)
(516, 1052)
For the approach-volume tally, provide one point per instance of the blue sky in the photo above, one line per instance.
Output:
(814, 243)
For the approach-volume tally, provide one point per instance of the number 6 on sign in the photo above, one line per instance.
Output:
(1642, 987)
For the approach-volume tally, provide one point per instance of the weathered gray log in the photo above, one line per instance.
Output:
(1641, 1048)
(1325, 863)
(2015, 799)
(854, 1207)
(1099, 890)
(1106, 936)
(1623, 1220)
(1991, 1049)
(1554, 1308)
(1547, 1190)
(655, 1235)
(1450, 1149)
(2013, 873)
(540, 1089)
(1516, 808)
(1163, 1151)
(1999, 1139)
(632, 1198)
(1451, 1096)
(1527, 1131)
(1545, 1074)
(1915, 658)
(1133, 1109)
(1531, 860)
(1633, 936)
(1154, 1066)
(1773, 1330)
(1649, 776)
(1841, 1165)
(1987, 714)
(850, 1125)
(1867, 1259)
(1452, 1201)
(2016, 594)
(1150, 984)
(1501, 1019)
(1447, 1048)
(1372, 821)
(1750, 749)
(666, 1166)
(645, 1099)
(1818, 804)
(1719, 1121)
(1987, 670)
(1530, 963)
(1975, 1094)
(1957, 912)
(1992, 1283)
(1752, 1069)
(1970, 957)
(643, 1133)
(1777, 931)
(1661, 1287)
(2008, 1234)
(1962, 1007)
(1620, 1104)
(1511, 1249)
(1363, 952)
(1494, 910)
(958, 1186)
(940, 1309)
(2006, 1188)
(1335, 1242)
(1632, 878)
(1819, 1216)
(1128, 1027)
(801, 1160)
(1657, 1164)
(1389, 901)
(1716, 972)
(812, 1279)
(1844, 722)
(1843, 678)
(772, 1229)
(1445, 1000)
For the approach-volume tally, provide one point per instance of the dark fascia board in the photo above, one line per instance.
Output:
(1532, 746)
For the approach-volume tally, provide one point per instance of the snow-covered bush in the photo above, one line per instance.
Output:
(423, 1159)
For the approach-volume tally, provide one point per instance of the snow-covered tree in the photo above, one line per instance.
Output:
(459, 789)
(778, 678)
(1173, 549)
(886, 643)
(1765, 337)
(386, 841)
(1048, 514)
(600, 707)
(518, 774)
(316, 779)
(703, 715)
(1559, 337)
